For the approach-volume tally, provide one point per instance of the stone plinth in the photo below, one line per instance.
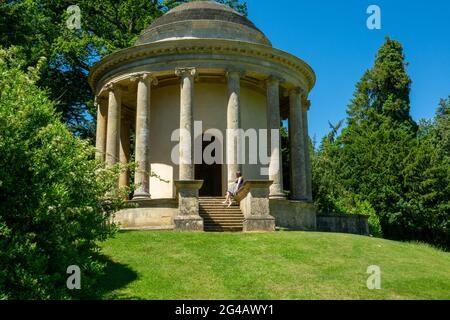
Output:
(148, 215)
(293, 215)
(255, 206)
(355, 224)
(188, 218)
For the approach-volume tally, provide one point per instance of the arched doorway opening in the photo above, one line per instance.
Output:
(210, 173)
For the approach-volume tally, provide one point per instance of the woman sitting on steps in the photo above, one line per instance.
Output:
(233, 189)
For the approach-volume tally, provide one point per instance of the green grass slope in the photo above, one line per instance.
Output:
(279, 265)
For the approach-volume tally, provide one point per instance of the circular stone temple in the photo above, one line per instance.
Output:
(197, 73)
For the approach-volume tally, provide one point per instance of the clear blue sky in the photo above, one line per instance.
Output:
(333, 38)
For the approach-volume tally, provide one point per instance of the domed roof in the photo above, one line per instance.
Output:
(202, 20)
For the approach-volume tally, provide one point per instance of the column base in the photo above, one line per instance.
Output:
(278, 196)
(188, 223)
(188, 218)
(259, 223)
(141, 196)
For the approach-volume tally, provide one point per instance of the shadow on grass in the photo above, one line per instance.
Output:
(116, 276)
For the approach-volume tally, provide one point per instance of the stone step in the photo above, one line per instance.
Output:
(223, 220)
(221, 209)
(219, 229)
(222, 216)
(233, 215)
(224, 223)
(222, 226)
(218, 217)
(215, 225)
(209, 198)
(218, 204)
(212, 200)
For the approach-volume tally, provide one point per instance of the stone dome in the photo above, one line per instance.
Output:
(202, 20)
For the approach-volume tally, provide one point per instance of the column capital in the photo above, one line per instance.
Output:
(274, 80)
(111, 86)
(186, 72)
(114, 87)
(234, 72)
(99, 100)
(297, 91)
(306, 104)
(144, 76)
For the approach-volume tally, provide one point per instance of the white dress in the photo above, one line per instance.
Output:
(233, 188)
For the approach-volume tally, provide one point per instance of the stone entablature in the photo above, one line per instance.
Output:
(208, 56)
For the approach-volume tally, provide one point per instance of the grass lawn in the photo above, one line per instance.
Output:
(279, 265)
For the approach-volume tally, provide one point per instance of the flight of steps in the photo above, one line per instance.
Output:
(217, 217)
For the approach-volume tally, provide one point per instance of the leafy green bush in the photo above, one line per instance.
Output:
(53, 203)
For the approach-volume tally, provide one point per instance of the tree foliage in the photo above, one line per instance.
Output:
(53, 203)
(384, 164)
(38, 28)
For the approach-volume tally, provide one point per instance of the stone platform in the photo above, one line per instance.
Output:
(159, 214)
(148, 215)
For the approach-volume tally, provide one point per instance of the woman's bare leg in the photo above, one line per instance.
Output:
(227, 198)
(230, 199)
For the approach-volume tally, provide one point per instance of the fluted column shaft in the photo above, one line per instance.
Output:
(142, 153)
(297, 146)
(273, 119)
(113, 128)
(102, 117)
(186, 123)
(233, 124)
(124, 152)
(305, 109)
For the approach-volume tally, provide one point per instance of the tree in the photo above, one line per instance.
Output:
(237, 5)
(55, 199)
(385, 164)
(38, 28)
(384, 89)
(442, 126)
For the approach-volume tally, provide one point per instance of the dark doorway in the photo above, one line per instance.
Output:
(211, 174)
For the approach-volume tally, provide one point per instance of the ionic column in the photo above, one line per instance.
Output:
(273, 119)
(142, 173)
(113, 128)
(124, 152)
(297, 146)
(102, 116)
(233, 124)
(306, 105)
(186, 122)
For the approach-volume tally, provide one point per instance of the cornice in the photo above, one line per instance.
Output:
(213, 46)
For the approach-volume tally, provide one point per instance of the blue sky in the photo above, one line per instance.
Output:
(333, 38)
